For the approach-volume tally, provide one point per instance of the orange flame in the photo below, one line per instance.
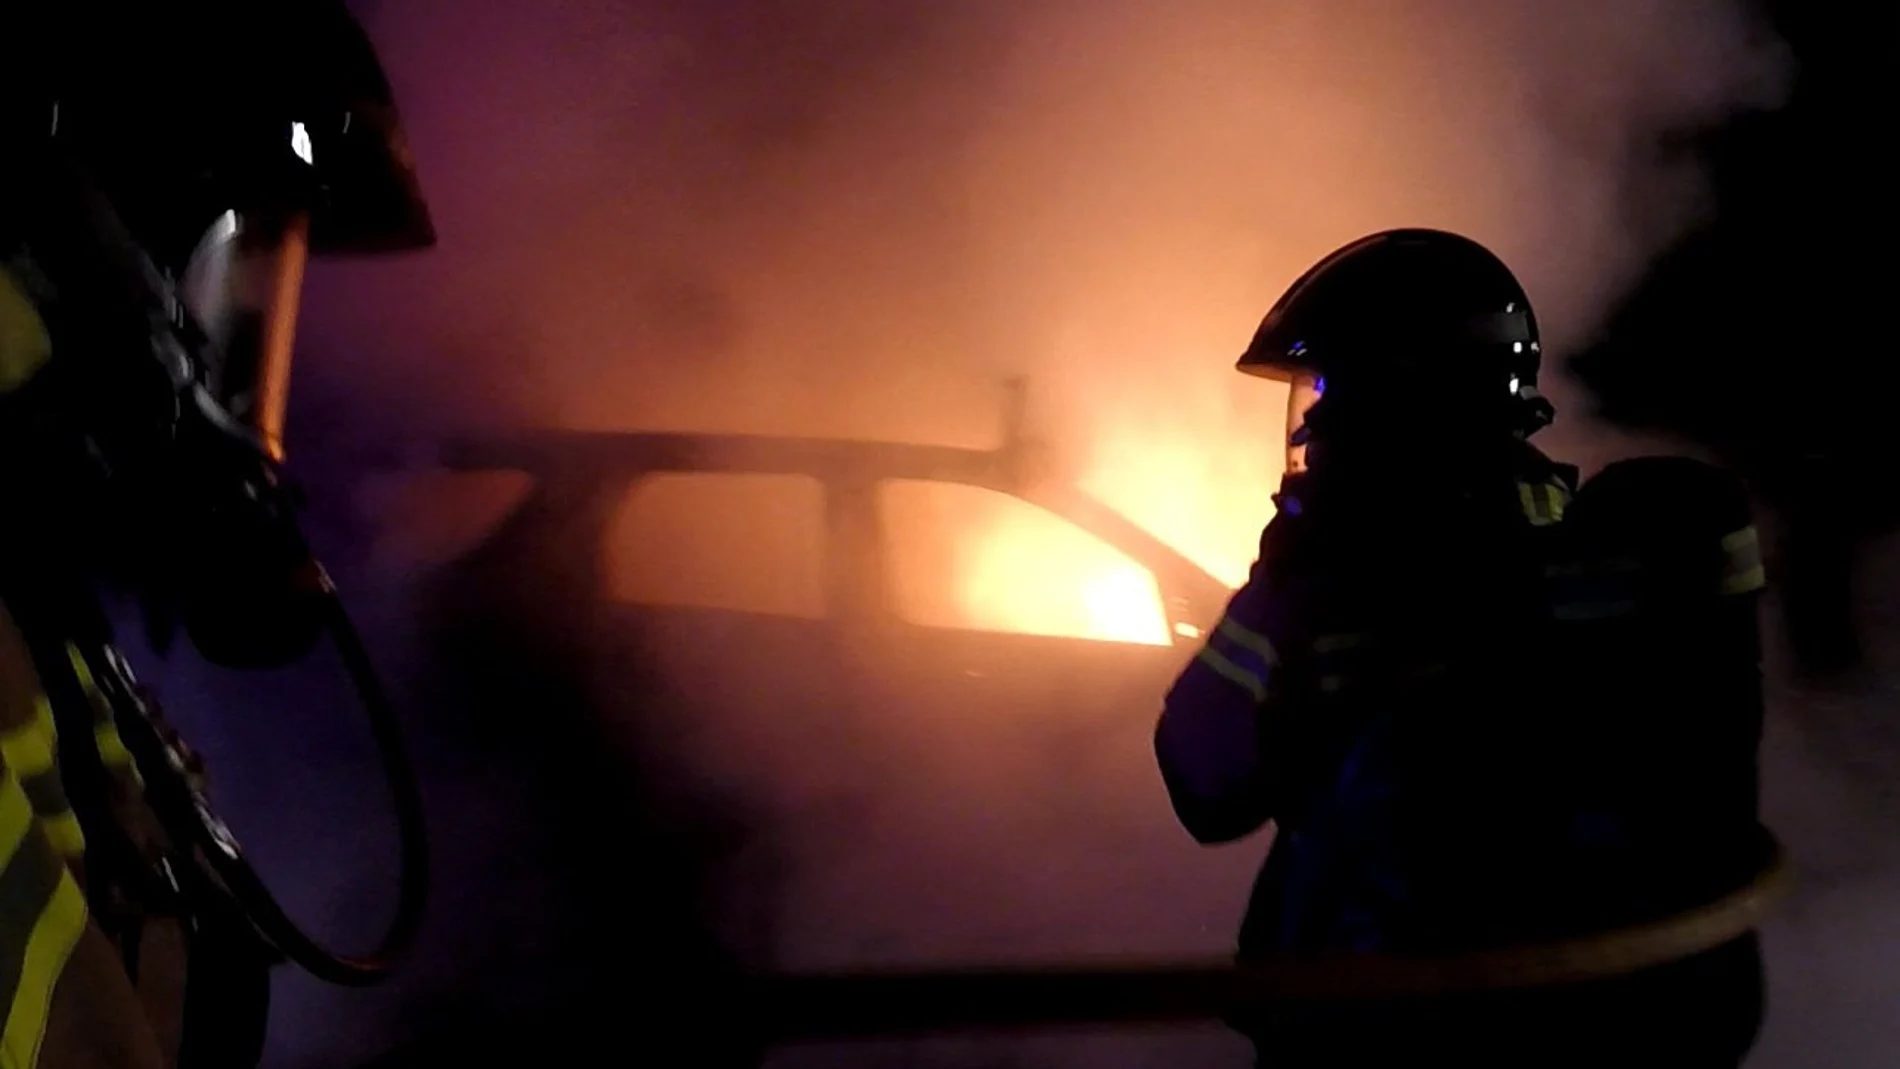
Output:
(1205, 491)
(1015, 568)
(1028, 574)
(975, 559)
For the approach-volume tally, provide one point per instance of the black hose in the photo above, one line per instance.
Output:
(885, 1003)
(413, 880)
(179, 803)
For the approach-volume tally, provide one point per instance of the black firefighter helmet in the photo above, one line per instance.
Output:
(169, 169)
(1404, 332)
(228, 141)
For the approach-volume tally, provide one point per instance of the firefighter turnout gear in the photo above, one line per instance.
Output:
(1583, 760)
(71, 1000)
(152, 254)
(79, 987)
(1480, 704)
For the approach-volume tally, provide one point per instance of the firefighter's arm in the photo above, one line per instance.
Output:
(1208, 742)
(65, 999)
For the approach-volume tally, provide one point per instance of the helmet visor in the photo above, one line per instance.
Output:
(1303, 391)
(243, 285)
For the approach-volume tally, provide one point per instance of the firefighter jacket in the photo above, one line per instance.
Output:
(1489, 716)
(85, 981)
(1438, 722)
(67, 974)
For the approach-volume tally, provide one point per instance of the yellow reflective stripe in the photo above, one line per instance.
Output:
(48, 797)
(63, 831)
(1543, 503)
(81, 670)
(16, 818)
(1743, 571)
(25, 345)
(89, 685)
(33, 879)
(1558, 498)
(105, 732)
(1234, 673)
(28, 749)
(111, 746)
(1253, 641)
(55, 934)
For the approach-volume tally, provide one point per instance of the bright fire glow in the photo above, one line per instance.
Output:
(971, 558)
(1012, 581)
(1207, 495)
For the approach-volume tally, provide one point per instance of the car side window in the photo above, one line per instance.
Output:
(713, 540)
(972, 558)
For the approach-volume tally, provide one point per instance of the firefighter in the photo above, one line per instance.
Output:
(165, 170)
(1402, 687)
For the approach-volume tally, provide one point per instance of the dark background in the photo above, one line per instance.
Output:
(1748, 336)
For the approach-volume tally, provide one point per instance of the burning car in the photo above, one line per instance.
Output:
(918, 683)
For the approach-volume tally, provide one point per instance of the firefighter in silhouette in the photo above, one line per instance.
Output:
(165, 169)
(1480, 706)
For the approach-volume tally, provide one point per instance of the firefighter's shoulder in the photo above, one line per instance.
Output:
(1682, 517)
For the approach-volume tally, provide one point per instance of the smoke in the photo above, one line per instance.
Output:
(858, 218)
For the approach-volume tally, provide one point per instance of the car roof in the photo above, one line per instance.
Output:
(1011, 470)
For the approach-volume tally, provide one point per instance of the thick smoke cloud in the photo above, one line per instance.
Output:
(857, 218)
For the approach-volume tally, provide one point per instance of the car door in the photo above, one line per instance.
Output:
(717, 659)
(1005, 702)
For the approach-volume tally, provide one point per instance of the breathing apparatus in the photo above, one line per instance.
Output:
(154, 433)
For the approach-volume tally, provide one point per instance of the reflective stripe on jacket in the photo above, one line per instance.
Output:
(67, 999)
(1209, 740)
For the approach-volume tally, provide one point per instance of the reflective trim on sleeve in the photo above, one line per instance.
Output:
(16, 818)
(1250, 640)
(64, 832)
(1742, 570)
(1543, 503)
(1240, 655)
(82, 671)
(112, 747)
(34, 884)
(1233, 673)
(105, 732)
(25, 344)
(28, 749)
(55, 813)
